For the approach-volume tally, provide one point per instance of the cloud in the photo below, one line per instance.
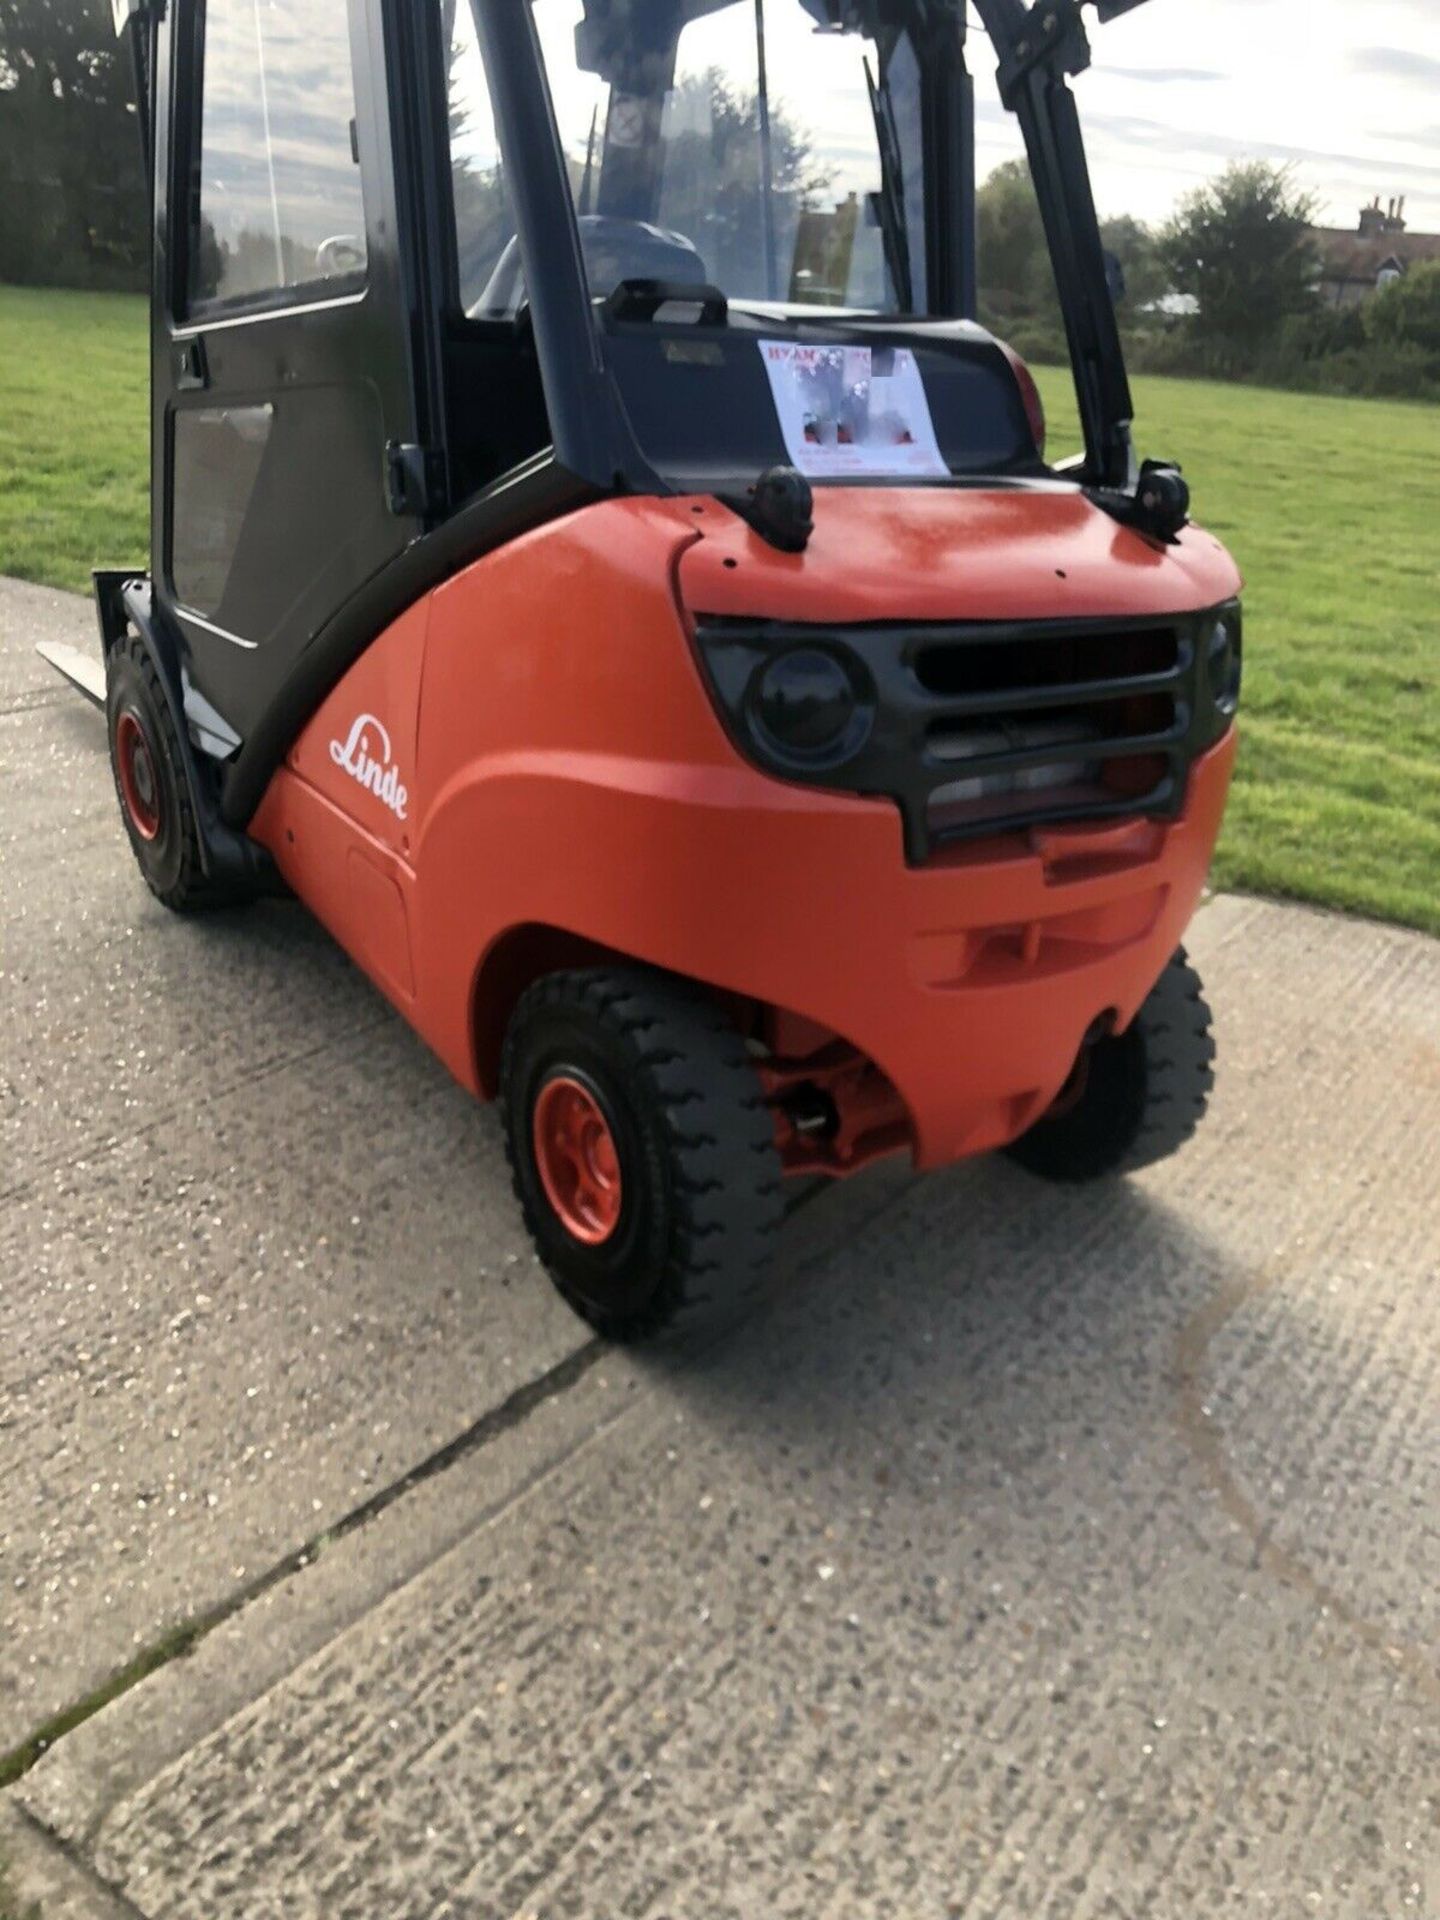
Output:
(1397, 63)
(1408, 137)
(1167, 76)
(1163, 136)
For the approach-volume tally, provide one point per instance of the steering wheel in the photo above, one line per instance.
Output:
(342, 253)
(615, 250)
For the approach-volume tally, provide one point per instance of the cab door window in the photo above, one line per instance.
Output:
(279, 212)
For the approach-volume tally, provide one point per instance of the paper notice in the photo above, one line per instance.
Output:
(853, 411)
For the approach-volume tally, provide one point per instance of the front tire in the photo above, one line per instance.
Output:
(642, 1150)
(1134, 1098)
(146, 759)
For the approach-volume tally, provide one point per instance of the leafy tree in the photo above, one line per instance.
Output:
(1016, 278)
(72, 191)
(1407, 313)
(1318, 335)
(1243, 247)
(1133, 244)
(711, 190)
(1013, 260)
(713, 183)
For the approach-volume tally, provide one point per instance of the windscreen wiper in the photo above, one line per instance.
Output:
(891, 197)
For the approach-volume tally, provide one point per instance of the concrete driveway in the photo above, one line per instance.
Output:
(1031, 1553)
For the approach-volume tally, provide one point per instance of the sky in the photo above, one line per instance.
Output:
(1345, 91)
(1348, 91)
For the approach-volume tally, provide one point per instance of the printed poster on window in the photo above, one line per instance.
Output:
(853, 411)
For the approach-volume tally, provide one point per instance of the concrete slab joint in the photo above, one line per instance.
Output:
(1033, 1551)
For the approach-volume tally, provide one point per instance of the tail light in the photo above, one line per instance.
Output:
(1029, 395)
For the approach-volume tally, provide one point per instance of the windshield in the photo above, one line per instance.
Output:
(745, 145)
(747, 149)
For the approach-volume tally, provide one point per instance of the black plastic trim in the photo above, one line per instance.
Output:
(404, 42)
(947, 121)
(109, 584)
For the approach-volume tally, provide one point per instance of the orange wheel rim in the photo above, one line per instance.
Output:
(1074, 1089)
(578, 1162)
(139, 786)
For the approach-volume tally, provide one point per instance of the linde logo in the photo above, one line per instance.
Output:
(378, 774)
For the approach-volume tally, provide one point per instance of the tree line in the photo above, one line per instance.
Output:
(72, 189)
(1240, 251)
(1228, 288)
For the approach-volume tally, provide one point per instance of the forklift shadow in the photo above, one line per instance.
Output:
(275, 946)
(969, 1297)
(82, 727)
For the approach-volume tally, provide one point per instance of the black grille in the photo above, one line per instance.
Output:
(972, 665)
(993, 728)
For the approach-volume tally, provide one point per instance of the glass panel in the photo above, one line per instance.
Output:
(484, 223)
(691, 161)
(280, 199)
(218, 455)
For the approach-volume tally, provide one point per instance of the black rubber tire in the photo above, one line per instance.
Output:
(171, 861)
(700, 1172)
(1144, 1093)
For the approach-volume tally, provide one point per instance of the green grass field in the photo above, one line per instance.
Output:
(1332, 507)
(73, 433)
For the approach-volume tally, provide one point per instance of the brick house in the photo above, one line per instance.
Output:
(1358, 262)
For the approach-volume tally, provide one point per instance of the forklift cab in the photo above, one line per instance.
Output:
(602, 566)
(463, 266)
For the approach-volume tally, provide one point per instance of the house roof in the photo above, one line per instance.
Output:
(1345, 255)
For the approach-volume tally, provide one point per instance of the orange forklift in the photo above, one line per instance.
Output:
(603, 569)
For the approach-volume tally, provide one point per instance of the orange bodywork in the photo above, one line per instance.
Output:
(527, 768)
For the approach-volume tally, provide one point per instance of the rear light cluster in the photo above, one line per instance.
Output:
(982, 729)
(1029, 396)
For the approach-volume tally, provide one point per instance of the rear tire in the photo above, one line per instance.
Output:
(1136, 1097)
(147, 761)
(642, 1150)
